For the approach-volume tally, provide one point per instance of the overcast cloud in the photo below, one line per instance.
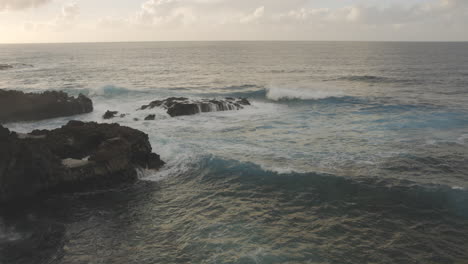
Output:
(21, 4)
(251, 19)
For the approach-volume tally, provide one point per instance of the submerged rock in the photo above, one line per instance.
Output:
(179, 106)
(110, 114)
(18, 106)
(14, 65)
(5, 67)
(74, 156)
(150, 117)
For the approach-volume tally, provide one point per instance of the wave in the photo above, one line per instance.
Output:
(284, 94)
(395, 107)
(364, 191)
(287, 71)
(109, 90)
(241, 87)
(278, 93)
(371, 79)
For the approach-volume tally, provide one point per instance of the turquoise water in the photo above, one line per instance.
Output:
(350, 153)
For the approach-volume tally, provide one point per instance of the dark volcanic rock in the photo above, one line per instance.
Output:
(150, 117)
(179, 106)
(19, 106)
(76, 155)
(110, 114)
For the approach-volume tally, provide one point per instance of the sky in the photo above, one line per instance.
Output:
(47, 21)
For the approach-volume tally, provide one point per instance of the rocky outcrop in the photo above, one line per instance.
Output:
(179, 106)
(74, 156)
(150, 117)
(5, 67)
(18, 106)
(110, 114)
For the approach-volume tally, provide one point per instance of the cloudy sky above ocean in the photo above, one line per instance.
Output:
(161, 20)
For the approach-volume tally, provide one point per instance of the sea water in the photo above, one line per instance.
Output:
(351, 152)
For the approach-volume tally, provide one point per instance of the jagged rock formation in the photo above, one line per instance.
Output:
(18, 106)
(110, 114)
(179, 106)
(74, 156)
(150, 117)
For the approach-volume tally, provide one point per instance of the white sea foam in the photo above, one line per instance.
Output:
(281, 93)
(108, 90)
(462, 140)
(280, 170)
(8, 234)
(179, 161)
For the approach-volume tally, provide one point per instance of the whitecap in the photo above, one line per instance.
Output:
(8, 234)
(282, 93)
(108, 90)
(462, 139)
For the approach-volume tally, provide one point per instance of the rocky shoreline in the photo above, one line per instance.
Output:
(74, 156)
(181, 106)
(18, 106)
(79, 155)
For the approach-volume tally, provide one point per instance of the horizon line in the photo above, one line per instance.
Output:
(156, 41)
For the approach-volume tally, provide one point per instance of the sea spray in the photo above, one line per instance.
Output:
(279, 94)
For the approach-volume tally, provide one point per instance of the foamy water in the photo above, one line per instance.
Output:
(305, 93)
(337, 160)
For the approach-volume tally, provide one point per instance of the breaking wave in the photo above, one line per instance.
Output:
(366, 191)
(110, 90)
(280, 93)
(283, 94)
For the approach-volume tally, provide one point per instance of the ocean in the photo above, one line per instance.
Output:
(351, 152)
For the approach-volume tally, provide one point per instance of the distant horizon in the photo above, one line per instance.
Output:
(200, 41)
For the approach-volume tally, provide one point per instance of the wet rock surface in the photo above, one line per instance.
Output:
(180, 106)
(110, 114)
(19, 106)
(77, 155)
(150, 118)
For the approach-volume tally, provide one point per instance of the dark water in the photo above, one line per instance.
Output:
(350, 153)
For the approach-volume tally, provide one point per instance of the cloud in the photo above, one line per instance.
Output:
(110, 22)
(256, 15)
(21, 4)
(293, 19)
(222, 12)
(266, 19)
(65, 20)
(70, 11)
(435, 11)
(164, 13)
